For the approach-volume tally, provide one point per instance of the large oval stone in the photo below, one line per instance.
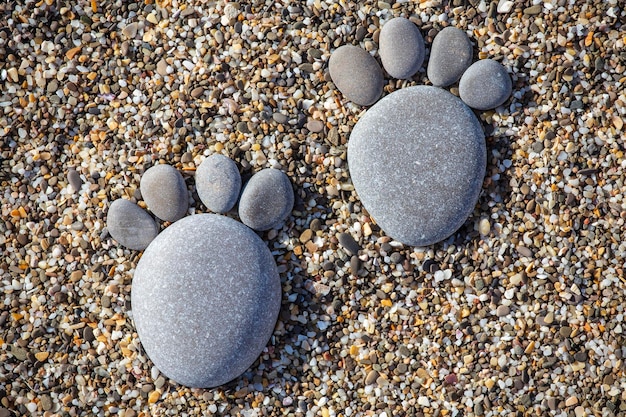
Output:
(131, 225)
(485, 85)
(266, 200)
(356, 74)
(218, 183)
(401, 48)
(205, 299)
(164, 191)
(450, 56)
(417, 161)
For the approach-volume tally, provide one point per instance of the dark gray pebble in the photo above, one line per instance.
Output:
(348, 243)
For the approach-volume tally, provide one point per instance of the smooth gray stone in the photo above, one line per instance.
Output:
(356, 74)
(73, 177)
(266, 200)
(131, 225)
(218, 183)
(164, 191)
(401, 48)
(450, 56)
(417, 161)
(485, 85)
(205, 299)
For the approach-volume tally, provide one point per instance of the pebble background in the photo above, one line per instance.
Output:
(520, 312)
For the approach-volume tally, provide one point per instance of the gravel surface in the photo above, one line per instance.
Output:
(520, 312)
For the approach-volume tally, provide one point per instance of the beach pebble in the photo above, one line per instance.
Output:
(450, 56)
(205, 299)
(266, 200)
(218, 183)
(164, 191)
(73, 177)
(485, 85)
(131, 225)
(401, 48)
(356, 74)
(420, 180)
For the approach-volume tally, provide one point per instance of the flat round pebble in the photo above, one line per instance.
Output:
(356, 74)
(164, 191)
(205, 298)
(450, 56)
(266, 200)
(131, 225)
(218, 183)
(485, 85)
(417, 161)
(401, 48)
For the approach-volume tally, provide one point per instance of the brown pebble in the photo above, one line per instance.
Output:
(306, 236)
(316, 225)
(371, 377)
(355, 265)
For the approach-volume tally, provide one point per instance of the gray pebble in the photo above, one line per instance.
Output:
(450, 56)
(502, 310)
(205, 299)
(280, 118)
(73, 177)
(164, 191)
(348, 243)
(485, 85)
(355, 265)
(266, 200)
(218, 183)
(401, 48)
(130, 225)
(420, 180)
(356, 74)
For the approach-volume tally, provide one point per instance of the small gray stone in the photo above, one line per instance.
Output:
(280, 118)
(356, 74)
(164, 191)
(205, 298)
(218, 183)
(450, 56)
(348, 243)
(417, 161)
(401, 48)
(266, 200)
(502, 311)
(485, 85)
(130, 225)
(130, 30)
(73, 177)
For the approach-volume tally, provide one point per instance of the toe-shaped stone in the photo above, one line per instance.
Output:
(356, 74)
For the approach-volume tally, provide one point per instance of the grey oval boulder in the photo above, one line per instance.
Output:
(356, 74)
(266, 200)
(450, 56)
(131, 225)
(164, 191)
(205, 299)
(417, 161)
(218, 183)
(401, 48)
(485, 85)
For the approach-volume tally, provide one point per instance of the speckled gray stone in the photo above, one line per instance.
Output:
(73, 177)
(485, 85)
(164, 191)
(356, 74)
(131, 225)
(266, 200)
(401, 48)
(417, 161)
(205, 298)
(218, 183)
(450, 56)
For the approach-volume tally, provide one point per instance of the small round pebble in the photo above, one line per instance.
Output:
(485, 85)
(131, 225)
(266, 200)
(356, 74)
(73, 177)
(401, 48)
(205, 298)
(417, 161)
(164, 191)
(450, 56)
(218, 183)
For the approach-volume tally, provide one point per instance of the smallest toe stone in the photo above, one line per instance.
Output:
(266, 200)
(164, 191)
(485, 85)
(356, 74)
(218, 183)
(131, 225)
(450, 56)
(401, 48)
